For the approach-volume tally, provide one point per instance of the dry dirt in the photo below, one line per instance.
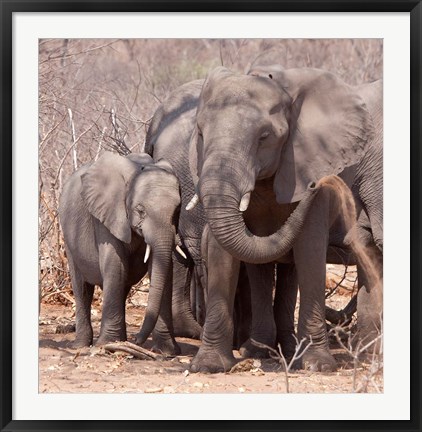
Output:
(93, 370)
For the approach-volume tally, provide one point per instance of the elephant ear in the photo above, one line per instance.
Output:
(104, 188)
(330, 128)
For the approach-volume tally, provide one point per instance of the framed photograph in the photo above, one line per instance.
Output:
(194, 202)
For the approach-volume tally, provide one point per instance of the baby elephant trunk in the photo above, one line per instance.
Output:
(160, 270)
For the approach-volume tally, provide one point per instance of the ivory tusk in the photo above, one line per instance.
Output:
(193, 202)
(147, 252)
(244, 203)
(179, 249)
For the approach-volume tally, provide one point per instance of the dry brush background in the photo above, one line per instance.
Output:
(97, 92)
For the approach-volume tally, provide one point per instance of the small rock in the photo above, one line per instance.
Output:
(198, 385)
(185, 373)
(241, 389)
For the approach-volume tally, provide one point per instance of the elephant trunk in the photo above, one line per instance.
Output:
(160, 282)
(228, 226)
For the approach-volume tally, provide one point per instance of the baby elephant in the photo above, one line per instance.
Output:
(113, 213)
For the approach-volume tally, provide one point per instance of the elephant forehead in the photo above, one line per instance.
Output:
(246, 90)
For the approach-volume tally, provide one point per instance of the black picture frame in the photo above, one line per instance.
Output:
(8, 7)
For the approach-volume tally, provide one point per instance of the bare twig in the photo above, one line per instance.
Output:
(356, 352)
(278, 355)
(54, 182)
(61, 56)
(134, 350)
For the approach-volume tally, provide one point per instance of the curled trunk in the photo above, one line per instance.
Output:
(228, 226)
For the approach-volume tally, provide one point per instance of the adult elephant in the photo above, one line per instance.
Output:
(260, 140)
(114, 213)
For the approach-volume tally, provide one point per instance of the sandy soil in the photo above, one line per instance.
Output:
(93, 370)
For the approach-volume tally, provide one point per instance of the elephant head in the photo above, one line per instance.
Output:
(133, 197)
(293, 126)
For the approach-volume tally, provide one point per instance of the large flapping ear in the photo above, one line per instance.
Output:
(104, 188)
(329, 129)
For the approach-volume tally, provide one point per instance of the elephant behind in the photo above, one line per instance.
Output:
(114, 213)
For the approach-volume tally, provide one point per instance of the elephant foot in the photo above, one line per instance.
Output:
(318, 360)
(186, 327)
(80, 342)
(250, 350)
(211, 360)
(104, 339)
(165, 345)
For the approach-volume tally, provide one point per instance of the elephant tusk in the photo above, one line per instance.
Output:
(244, 203)
(193, 202)
(179, 249)
(147, 252)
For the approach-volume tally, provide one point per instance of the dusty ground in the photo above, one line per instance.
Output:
(92, 370)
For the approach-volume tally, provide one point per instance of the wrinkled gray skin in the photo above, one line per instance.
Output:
(109, 210)
(271, 133)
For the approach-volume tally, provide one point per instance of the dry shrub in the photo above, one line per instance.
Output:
(82, 81)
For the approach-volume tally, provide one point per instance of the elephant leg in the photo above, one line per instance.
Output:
(369, 302)
(215, 353)
(114, 271)
(263, 329)
(310, 253)
(284, 308)
(242, 313)
(183, 320)
(83, 293)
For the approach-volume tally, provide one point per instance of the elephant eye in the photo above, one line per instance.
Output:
(200, 133)
(264, 135)
(140, 212)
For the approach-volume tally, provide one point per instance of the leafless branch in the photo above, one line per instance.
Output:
(61, 56)
(134, 350)
(278, 355)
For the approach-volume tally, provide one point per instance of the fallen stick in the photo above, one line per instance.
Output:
(134, 350)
